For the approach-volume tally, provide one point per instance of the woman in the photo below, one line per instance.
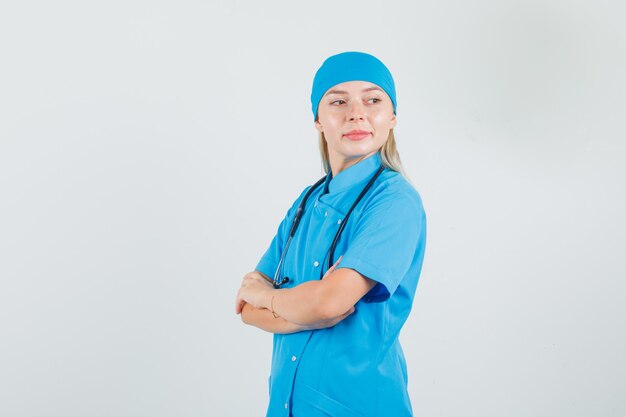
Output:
(336, 350)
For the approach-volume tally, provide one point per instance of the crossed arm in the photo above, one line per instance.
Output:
(310, 305)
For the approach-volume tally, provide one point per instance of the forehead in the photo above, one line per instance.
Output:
(353, 87)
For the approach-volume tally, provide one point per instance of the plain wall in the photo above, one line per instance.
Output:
(148, 151)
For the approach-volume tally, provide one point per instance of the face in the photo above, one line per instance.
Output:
(350, 106)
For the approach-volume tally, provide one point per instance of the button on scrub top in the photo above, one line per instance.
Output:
(356, 368)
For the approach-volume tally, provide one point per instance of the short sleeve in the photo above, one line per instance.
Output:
(384, 244)
(269, 261)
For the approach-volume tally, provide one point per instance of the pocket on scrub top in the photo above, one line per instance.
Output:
(310, 402)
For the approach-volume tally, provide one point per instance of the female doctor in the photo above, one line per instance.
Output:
(362, 230)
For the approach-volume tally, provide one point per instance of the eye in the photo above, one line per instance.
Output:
(333, 102)
(377, 99)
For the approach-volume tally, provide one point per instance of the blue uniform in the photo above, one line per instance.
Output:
(356, 368)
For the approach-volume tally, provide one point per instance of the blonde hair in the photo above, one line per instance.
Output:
(388, 152)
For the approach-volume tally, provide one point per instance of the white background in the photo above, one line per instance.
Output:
(148, 151)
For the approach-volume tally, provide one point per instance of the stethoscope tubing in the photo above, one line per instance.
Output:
(296, 221)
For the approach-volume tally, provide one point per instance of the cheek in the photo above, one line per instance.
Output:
(328, 113)
(382, 122)
(331, 125)
(381, 117)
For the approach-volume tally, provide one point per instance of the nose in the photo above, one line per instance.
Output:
(357, 111)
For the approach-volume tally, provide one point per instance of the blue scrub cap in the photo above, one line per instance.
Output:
(351, 66)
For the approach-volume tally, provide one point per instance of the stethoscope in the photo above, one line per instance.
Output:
(277, 282)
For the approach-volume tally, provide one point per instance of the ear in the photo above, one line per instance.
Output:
(393, 121)
(318, 126)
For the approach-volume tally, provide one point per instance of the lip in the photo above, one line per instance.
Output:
(356, 134)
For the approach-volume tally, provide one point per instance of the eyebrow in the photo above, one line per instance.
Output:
(345, 92)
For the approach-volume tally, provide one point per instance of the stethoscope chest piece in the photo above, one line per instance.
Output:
(277, 285)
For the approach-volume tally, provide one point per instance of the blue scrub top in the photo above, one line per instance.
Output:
(357, 367)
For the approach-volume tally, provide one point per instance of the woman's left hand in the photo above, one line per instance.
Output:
(255, 290)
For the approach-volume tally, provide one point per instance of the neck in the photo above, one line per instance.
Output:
(339, 163)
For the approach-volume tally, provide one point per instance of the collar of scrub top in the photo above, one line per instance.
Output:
(355, 174)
